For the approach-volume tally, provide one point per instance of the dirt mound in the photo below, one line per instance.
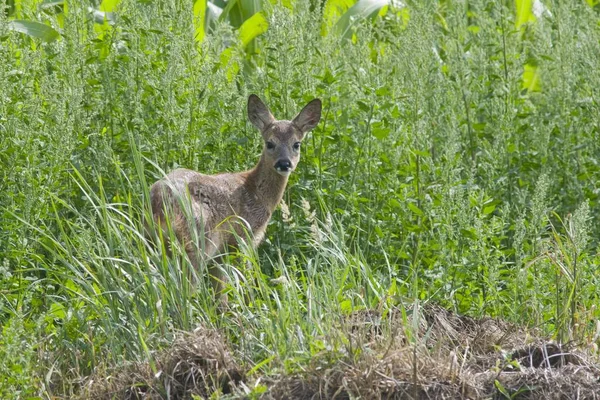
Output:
(428, 353)
(198, 363)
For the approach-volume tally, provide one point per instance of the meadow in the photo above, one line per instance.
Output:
(455, 172)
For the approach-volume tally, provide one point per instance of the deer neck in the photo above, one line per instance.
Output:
(267, 184)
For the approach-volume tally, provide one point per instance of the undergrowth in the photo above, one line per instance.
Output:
(456, 163)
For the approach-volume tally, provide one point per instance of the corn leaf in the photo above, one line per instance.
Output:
(10, 8)
(238, 11)
(34, 29)
(361, 10)
(524, 12)
(108, 5)
(531, 78)
(252, 27)
(227, 9)
(332, 12)
(199, 19)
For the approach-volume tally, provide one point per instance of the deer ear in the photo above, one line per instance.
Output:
(309, 117)
(258, 113)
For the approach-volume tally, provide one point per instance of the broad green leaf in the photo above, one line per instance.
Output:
(362, 9)
(227, 9)
(380, 132)
(57, 310)
(226, 56)
(489, 209)
(108, 5)
(524, 12)
(101, 26)
(415, 209)
(10, 7)
(232, 66)
(238, 11)
(531, 78)
(404, 13)
(469, 233)
(34, 29)
(252, 27)
(346, 306)
(393, 290)
(199, 19)
(332, 12)
(393, 203)
(103, 16)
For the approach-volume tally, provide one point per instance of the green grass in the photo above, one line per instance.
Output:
(439, 173)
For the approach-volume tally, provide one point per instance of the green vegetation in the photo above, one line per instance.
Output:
(457, 163)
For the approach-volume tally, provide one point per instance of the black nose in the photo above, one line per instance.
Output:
(283, 165)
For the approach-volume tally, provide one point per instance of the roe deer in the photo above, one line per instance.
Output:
(221, 205)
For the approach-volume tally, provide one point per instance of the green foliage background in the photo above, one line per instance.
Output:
(457, 162)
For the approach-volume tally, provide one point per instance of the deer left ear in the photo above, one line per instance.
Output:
(309, 117)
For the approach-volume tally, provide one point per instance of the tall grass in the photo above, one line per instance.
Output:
(436, 175)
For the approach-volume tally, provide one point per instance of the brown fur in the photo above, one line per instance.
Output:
(225, 205)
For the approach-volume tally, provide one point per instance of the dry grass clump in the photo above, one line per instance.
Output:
(451, 357)
(564, 383)
(391, 377)
(441, 355)
(198, 363)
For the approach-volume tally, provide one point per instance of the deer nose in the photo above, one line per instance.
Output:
(283, 165)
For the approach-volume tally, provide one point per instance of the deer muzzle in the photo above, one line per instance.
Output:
(284, 167)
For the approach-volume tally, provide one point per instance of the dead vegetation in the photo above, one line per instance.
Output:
(439, 355)
(198, 363)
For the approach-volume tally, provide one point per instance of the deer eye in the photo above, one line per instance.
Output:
(297, 146)
(270, 145)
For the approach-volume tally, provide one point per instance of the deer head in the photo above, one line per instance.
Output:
(282, 138)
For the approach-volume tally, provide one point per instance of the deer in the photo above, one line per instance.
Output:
(224, 207)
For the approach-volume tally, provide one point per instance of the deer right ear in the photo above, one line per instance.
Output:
(258, 113)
